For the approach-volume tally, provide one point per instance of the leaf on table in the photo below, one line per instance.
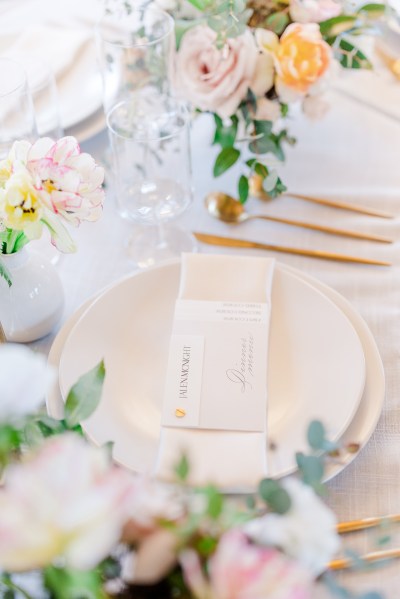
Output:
(84, 396)
(225, 159)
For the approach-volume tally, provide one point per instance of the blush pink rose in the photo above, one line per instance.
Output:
(212, 79)
(242, 570)
(314, 11)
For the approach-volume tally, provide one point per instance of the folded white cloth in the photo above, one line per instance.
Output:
(227, 458)
(57, 46)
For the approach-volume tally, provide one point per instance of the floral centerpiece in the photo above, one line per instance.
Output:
(46, 184)
(74, 525)
(248, 63)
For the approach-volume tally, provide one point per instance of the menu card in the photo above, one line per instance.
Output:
(215, 404)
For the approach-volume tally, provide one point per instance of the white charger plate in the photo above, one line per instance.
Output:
(80, 88)
(129, 325)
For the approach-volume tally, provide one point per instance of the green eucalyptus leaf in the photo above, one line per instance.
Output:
(85, 395)
(316, 435)
(373, 10)
(225, 159)
(275, 496)
(270, 181)
(351, 57)
(64, 583)
(182, 468)
(277, 22)
(225, 134)
(311, 469)
(337, 25)
(215, 502)
(243, 189)
(261, 170)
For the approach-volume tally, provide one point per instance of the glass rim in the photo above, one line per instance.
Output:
(152, 9)
(181, 106)
(24, 80)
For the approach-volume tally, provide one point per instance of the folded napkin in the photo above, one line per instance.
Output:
(219, 297)
(57, 46)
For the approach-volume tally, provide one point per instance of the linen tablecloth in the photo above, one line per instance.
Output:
(352, 154)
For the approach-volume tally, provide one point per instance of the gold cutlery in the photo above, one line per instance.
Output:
(257, 191)
(363, 523)
(343, 563)
(242, 243)
(226, 208)
(3, 338)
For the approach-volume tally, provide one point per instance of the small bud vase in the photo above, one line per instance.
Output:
(34, 303)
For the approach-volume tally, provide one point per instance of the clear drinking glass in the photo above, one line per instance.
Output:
(149, 136)
(135, 52)
(17, 117)
(43, 88)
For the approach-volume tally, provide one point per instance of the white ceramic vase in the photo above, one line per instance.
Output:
(33, 305)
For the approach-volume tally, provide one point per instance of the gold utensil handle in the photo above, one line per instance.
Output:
(3, 338)
(242, 243)
(344, 563)
(324, 229)
(343, 205)
(363, 523)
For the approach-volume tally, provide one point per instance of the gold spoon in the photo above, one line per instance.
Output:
(3, 338)
(229, 210)
(256, 190)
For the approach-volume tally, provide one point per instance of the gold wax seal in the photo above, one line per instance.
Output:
(180, 413)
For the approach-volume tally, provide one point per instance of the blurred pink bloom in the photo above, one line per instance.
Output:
(314, 11)
(213, 79)
(65, 500)
(241, 570)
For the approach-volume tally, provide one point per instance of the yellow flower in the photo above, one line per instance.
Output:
(20, 205)
(302, 58)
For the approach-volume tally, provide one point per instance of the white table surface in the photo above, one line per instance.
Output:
(352, 154)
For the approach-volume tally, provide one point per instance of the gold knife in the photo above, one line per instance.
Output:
(3, 338)
(342, 205)
(363, 523)
(343, 563)
(256, 189)
(242, 243)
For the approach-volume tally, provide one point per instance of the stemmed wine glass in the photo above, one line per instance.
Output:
(149, 135)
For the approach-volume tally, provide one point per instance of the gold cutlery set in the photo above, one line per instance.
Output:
(373, 556)
(227, 209)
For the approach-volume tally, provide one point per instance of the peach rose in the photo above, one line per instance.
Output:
(212, 79)
(301, 59)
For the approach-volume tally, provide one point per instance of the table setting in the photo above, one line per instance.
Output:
(199, 221)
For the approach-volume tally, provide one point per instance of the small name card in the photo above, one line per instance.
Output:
(217, 369)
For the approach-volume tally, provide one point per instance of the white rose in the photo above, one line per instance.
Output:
(64, 501)
(307, 532)
(314, 11)
(24, 379)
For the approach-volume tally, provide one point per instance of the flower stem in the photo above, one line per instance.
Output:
(6, 580)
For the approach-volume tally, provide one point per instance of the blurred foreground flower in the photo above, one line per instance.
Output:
(307, 532)
(241, 570)
(24, 380)
(65, 500)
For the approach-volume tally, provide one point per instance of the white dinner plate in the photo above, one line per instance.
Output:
(80, 88)
(129, 326)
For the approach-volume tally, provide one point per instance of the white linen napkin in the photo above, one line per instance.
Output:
(228, 458)
(58, 47)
